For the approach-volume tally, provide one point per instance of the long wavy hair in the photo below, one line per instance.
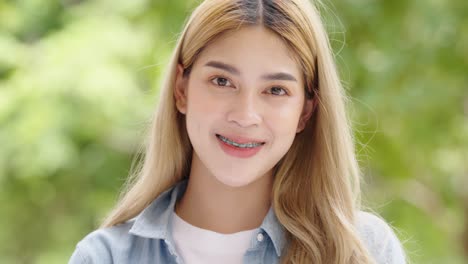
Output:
(316, 184)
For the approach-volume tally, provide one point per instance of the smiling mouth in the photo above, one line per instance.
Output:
(240, 145)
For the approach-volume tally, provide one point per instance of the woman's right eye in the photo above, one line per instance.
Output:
(221, 81)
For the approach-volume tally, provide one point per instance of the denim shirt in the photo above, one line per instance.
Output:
(147, 238)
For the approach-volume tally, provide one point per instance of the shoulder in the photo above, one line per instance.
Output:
(104, 245)
(381, 241)
(138, 240)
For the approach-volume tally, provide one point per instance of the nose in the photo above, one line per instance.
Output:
(244, 110)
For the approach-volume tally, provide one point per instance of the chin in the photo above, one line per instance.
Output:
(235, 181)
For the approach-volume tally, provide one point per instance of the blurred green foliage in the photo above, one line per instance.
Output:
(79, 80)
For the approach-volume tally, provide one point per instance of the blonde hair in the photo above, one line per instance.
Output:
(316, 185)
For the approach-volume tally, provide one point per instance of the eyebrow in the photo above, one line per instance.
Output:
(281, 76)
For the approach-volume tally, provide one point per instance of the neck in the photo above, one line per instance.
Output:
(209, 204)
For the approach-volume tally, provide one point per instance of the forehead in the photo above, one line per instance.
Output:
(253, 50)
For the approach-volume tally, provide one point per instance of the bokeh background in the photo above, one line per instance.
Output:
(79, 81)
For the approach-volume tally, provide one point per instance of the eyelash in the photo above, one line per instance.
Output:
(285, 91)
(214, 81)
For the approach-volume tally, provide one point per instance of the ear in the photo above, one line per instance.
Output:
(307, 111)
(180, 90)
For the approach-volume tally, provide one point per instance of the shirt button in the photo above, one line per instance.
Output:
(260, 237)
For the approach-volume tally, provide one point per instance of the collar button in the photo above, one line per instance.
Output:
(260, 237)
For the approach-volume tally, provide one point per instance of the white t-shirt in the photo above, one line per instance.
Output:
(196, 245)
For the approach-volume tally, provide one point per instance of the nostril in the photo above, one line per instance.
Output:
(244, 117)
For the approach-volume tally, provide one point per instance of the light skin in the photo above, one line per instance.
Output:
(246, 87)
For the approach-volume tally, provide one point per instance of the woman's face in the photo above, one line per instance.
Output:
(244, 103)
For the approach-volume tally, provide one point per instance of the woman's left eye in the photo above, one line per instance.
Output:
(277, 91)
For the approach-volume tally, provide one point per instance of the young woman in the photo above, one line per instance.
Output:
(250, 157)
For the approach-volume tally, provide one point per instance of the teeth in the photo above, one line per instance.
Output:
(239, 145)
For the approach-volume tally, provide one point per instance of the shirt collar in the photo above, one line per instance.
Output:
(275, 231)
(155, 220)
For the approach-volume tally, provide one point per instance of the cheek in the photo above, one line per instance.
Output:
(199, 98)
(285, 119)
(202, 109)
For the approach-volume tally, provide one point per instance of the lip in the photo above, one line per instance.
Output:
(241, 140)
(239, 152)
